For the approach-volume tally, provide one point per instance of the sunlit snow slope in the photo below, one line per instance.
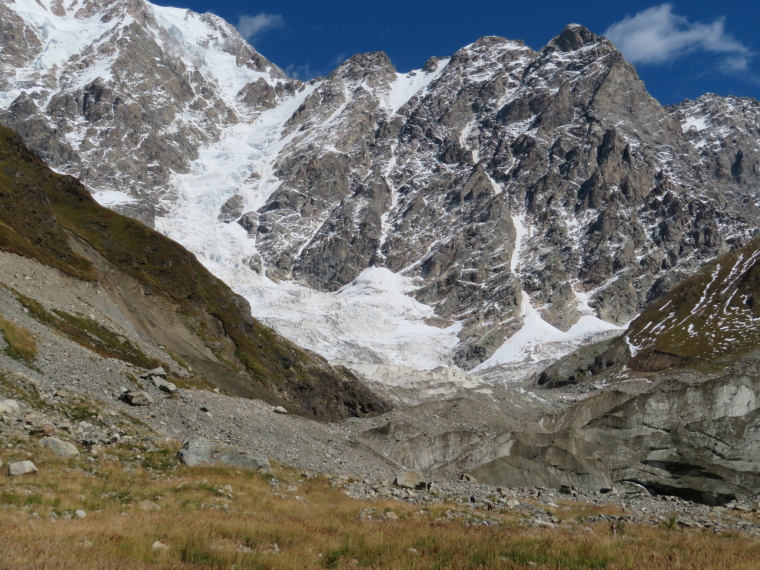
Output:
(370, 320)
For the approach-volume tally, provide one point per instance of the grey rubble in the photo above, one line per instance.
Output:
(620, 198)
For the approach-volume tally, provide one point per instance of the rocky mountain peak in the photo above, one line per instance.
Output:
(372, 69)
(505, 190)
(575, 37)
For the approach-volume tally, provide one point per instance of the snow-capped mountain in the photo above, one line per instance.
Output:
(494, 208)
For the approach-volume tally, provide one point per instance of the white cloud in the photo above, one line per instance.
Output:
(658, 36)
(251, 27)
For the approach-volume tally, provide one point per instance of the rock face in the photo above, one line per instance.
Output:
(437, 175)
(231, 209)
(205, 452)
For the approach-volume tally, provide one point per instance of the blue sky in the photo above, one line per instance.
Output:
(680, 49)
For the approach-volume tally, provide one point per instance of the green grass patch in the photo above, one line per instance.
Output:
(87, 333)
(20, 389)
(22, 345)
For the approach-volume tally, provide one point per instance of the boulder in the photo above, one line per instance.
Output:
(168, 387)
(8, 407)
(149, 506)
(21, 468)
(137, 398)
(280, 410)
(205, 452)
(468, 478)
(160, 372)
(61, 448)
(163, 385)
(410, 480)
(44, 429)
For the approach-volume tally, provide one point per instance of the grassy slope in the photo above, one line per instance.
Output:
(706, 323)
(219, 517)
(711, 319)
(40, 209)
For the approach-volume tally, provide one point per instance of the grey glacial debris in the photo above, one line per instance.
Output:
(597, 444)
(61, 448)
(21, 468)
(205, 452)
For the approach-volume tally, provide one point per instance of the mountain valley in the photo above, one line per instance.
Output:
(510, 269)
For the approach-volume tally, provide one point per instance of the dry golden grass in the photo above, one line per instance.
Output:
(21, 343)
(299, 524)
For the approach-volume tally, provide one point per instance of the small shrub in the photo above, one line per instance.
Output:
(671, 523)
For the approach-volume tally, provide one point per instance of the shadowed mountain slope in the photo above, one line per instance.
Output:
(52, 218)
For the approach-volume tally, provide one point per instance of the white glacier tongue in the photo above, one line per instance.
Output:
(371, 320)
